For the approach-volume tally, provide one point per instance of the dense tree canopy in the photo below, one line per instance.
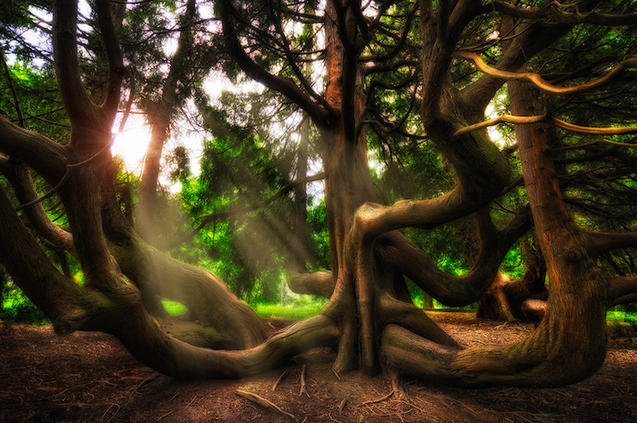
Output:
(476, 126)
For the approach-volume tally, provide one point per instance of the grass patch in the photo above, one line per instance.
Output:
(298, 310)
(174, 308)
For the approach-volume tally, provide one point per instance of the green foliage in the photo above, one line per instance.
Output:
(174, 308)
(38, 98)
(246, 168)
(300, 309)
(623, 324)
(622, 316)
(512, 263)
(15, 307)
(317, 225)
(179, 161)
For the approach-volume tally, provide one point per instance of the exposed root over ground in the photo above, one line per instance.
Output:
(89, 377)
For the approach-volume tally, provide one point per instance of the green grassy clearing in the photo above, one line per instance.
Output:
(298, 311)
(174, 308)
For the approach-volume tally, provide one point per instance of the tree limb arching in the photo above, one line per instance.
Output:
(449, 289)
(539, 82)
(622, 289)
(22, 184)
(48, 158)
(527, 120)
(528, 40)
(541, 359)
(319, 283)
(119, 312)
(320, 112)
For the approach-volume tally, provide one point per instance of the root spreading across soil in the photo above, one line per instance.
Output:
(90, 377)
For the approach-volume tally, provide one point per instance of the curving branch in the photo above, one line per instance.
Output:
(320, 112)
(116, 68)
(319, 283)
(412, 318)
(372, 220)
(527, 120)
(501, 119)
(181, 360)
(622, 289)
(80, 108)
(29, 266)
(539, 82)
(118, 311)
(590, 144)
(602, 242)
(48, 158)
(595, 131)
(523, 42)
(449, 289)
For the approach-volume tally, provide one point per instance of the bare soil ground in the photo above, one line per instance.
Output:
(90, 377)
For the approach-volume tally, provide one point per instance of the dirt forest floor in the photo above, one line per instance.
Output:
(89, 377)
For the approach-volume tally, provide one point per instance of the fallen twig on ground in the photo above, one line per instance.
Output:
(377, 400)
(278, 381)
(268, 405)
(303, 382)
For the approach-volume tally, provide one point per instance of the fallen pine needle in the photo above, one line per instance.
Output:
(268, 405)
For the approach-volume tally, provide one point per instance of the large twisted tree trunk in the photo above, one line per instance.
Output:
(102, 239)
(570, 343)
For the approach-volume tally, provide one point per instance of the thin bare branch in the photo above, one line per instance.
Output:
(16, 101)
(501, 119)
(262, 402)
(590, 144)
(527, 120)
(596, 131)
(539, 82)
(319, 111)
